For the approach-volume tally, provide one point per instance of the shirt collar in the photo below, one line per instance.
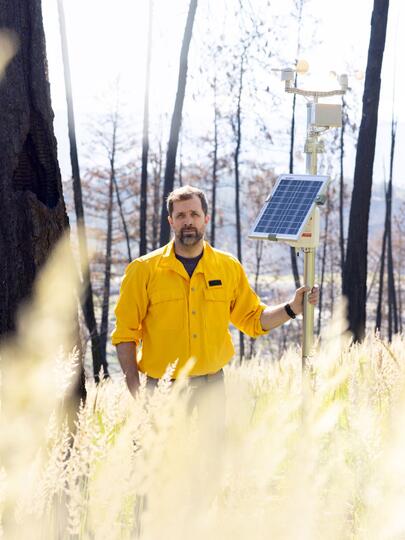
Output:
(208, 264)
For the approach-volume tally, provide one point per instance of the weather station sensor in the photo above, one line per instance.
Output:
(291, 211)
(326, 115)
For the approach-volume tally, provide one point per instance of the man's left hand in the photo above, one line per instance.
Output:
(297, 304)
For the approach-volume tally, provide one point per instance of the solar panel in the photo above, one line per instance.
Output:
(288, 207)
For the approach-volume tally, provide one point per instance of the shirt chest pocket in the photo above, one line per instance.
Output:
(167, 310)
(217, 307)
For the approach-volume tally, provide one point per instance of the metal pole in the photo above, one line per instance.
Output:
(308, 313)
(311, 149)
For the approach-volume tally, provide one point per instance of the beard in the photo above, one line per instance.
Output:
(190, 237)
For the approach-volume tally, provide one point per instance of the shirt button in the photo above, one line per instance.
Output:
(194, 335)
(194, 312)
(193, 289)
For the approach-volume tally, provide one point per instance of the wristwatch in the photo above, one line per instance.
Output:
(289, 311)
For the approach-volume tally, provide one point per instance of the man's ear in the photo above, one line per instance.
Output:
(170, 220)
(207, 218)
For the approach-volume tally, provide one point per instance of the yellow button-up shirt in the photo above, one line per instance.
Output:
(175, 317)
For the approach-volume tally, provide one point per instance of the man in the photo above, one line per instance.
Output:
(176, 302)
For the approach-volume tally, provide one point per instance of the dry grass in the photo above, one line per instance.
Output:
(312, 456)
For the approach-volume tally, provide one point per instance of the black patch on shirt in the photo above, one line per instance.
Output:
(214, 282)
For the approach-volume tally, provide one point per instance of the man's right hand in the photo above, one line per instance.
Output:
(126, 353)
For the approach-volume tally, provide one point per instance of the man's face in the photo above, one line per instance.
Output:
(188, 221)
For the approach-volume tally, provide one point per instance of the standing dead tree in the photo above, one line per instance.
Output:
(325, 244)
(110, 181)
(105, 308)
(293, 255)
(214, 165)
(355, 269)
(87, 301)
(176, 122)
(33, 215)
(386, 253)
(145, 142)
(236, 122)
(399, 221)
(341, 185)
(392, 297)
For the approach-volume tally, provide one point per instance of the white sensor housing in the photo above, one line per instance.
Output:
(326, 115)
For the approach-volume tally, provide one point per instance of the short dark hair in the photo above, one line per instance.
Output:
(185, 193)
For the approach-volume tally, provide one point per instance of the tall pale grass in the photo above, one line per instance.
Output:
(300, 456)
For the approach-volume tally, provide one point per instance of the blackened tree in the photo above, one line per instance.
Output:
(145, 142)
(33, 214)
(355, 268)
(87, 299)
(176, 121)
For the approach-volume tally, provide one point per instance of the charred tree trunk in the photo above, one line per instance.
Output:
(392, 297)
(107, 272)
(293, 254)
(157, 180)
(176, 122)
(214, 168)
(332, 284)
(33, 216)
(237, 129)
(382, 275)
(355, 270)
(399, 252)
(145, 142)
(323, 267)
(87, 300)
(342, 188)
(123, 220)
(180, 175)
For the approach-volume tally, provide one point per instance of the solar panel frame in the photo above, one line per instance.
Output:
(298, 193)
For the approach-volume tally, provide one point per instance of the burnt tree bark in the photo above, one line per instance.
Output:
(293, 255)
(157, 180)
(145, 142)
(399, 288)
(393, 323)
(123, 219)
(323, 264)
(237, 130)
(105, 309)
(355, 269)
(214, 169)
(382, 274)
(87, 301)
(33, 215)
(386, 253)
(176, 122)
(342, 186)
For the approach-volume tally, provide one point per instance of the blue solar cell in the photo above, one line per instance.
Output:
(289, 206)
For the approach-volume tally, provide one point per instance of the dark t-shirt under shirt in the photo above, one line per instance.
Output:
(189, 263)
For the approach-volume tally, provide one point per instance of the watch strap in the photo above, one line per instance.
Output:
(289, 311)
